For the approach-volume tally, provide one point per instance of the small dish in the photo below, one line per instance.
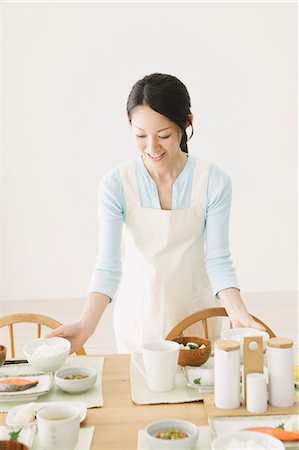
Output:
(225, 441)
(10, 417)
(47, 362)
(193, 357)
(24, 438)
(76, 386)
(43, 387)
(200, 377)
(187, 443)
(2, 354)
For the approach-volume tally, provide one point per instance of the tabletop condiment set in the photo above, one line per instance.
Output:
(279, 362)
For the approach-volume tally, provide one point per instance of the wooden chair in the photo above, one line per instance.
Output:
(203, 316)
(38, 319)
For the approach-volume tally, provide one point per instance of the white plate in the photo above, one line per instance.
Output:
(192, 373)
(43, 386)
(37, 406)
(26, 435)
(221, 425)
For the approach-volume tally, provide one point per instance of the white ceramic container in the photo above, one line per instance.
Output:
(76, 386)
(187, 443)
(281, 372)
(47, 363)
(227, 374)
(160, 364)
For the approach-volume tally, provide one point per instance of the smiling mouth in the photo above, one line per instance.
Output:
(156, 157)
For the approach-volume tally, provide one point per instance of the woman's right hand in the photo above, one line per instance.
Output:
(75, 332)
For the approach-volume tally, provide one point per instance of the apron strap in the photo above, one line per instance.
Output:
(129, 182)
(200, 184)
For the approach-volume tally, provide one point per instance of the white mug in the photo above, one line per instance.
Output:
(58, 427)
(161, 363)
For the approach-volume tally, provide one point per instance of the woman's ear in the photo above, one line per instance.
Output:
(187, 124)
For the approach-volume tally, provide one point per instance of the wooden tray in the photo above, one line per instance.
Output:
(211, 409)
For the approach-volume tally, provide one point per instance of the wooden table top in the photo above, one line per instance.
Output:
(118, 422)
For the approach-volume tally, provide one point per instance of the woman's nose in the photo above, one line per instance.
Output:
(152, 145)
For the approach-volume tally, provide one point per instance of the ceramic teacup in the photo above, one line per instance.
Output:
(2, 354)
(58, 427)
(160, 363)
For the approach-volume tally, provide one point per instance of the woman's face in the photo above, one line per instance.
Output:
(157, 138)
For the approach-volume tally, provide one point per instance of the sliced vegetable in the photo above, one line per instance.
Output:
(282, 435)
(14, 435)
(196, 380)
(192, 345)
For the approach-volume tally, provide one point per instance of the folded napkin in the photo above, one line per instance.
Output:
(141, 395)
(83, 443)
(92, 398)
(203, 442)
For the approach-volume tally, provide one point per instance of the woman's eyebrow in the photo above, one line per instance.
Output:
(157, 131)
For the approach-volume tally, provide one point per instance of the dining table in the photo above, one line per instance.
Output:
(118, 421)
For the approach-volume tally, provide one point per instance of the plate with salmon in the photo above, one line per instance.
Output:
(12, 388)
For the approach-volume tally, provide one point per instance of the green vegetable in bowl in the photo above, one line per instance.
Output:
(75, 377)
(171, 434)
(192, 345)
(196, 380)
(14, 435)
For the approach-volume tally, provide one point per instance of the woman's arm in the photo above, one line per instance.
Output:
(78, 332)
(107, 271)
(218, 261)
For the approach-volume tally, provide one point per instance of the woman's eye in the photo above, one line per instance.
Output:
(164, 137)
(137, 135)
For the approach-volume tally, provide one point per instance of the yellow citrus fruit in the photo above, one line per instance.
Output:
(296, 373)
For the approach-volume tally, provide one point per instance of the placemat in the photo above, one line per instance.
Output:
(141, 395)
(203, 443)
(93, 398)
(211, 409)
(83, 443)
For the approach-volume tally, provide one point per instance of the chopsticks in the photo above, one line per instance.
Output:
(15, 361)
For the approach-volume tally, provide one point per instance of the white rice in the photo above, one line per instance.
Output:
(49, 349)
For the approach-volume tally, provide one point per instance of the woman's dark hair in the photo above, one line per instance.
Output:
(166, 95)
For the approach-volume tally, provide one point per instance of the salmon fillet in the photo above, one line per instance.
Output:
(16, 384)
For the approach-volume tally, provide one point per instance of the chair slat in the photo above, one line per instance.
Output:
(39, 319)
(11, 341)
(205, 328)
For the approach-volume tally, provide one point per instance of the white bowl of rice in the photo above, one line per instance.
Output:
(47, 354)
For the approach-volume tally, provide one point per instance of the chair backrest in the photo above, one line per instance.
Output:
(38, 319)
(203, 316)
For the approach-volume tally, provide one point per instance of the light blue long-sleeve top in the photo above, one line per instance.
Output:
(112, 214)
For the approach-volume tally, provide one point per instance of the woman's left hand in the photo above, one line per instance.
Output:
(246, 321)
(236, 310)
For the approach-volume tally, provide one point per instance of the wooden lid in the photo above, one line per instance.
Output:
(227, 346)
(280, 343)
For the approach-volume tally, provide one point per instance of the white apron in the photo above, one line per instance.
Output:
(163, 276)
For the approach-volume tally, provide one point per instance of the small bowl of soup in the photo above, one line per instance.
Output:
(76, 379)
(171, 434)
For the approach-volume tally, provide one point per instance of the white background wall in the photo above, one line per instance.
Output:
(67, 69)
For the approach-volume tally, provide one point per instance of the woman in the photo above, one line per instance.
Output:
(175, 212)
